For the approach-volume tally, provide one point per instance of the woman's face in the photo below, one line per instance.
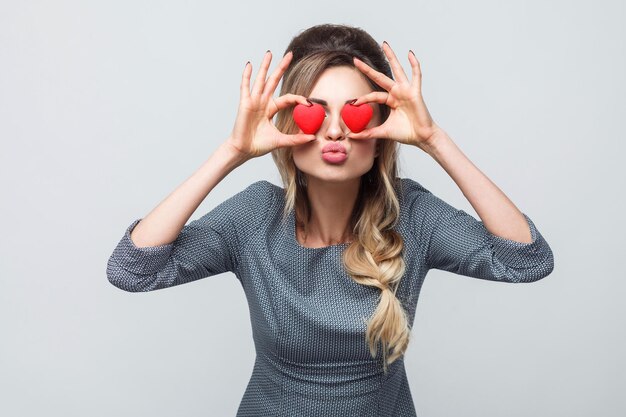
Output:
(335, 86)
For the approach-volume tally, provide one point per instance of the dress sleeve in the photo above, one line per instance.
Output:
(461, 244)
(205, 247)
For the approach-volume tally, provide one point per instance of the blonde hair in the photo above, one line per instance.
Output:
(375, 256)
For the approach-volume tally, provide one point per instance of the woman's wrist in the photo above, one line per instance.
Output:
(433, 145)
(232, 153)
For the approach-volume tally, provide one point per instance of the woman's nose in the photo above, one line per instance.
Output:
(335, 126)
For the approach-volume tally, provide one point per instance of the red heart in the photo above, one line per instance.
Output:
(357, 117)
(309, 118)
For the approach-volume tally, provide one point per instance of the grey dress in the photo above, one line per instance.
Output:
(308, 315)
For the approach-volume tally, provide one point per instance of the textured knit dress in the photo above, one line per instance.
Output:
(307, 314)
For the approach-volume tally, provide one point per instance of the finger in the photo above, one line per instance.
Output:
(244, 91)
(296, 139)
(259, 81)
(396, 67)
(374, 96)
(417, 71)
(273, 80)
(285, 101)
(378, 77)
(372, 132)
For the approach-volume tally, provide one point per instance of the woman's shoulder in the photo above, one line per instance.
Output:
(418, 202)
(248, 207)
(410, 190)
(259, 190)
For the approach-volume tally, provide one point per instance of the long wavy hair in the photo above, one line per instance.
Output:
(375, 256)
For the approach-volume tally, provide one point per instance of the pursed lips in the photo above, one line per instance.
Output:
(334, 147)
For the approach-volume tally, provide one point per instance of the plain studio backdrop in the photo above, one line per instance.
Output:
(106, 107)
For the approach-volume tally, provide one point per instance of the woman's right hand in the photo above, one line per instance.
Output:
(254, 133)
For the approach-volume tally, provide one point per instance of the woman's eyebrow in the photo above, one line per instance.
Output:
(324, 102)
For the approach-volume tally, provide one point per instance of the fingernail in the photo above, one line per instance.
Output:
(353, 101)
(411, 51)
(246, 64)
(385, 42)
(267, 51)
(310, 102)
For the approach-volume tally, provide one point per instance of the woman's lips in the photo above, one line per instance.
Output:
(334, 147)
(334, 157)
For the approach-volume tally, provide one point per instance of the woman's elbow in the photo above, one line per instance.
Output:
(537, 272)
(125, 280)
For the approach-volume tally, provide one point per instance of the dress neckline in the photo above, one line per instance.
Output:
(291, 236)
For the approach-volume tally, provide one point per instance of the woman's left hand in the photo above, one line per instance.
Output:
(409, 121)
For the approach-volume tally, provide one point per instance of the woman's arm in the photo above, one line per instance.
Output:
(505, 246)
(499, 215)
(164, 223)
(160, 251)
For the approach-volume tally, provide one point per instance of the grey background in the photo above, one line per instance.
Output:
(106, 107)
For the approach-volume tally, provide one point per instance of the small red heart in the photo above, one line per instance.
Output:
(357, 117)
(309, 118)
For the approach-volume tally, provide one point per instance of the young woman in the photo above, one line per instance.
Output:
(331, 264)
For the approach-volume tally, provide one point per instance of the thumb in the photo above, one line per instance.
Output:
(295, 139)
(363, 134)
(305, 138)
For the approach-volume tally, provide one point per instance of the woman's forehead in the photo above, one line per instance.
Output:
(337, 85)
